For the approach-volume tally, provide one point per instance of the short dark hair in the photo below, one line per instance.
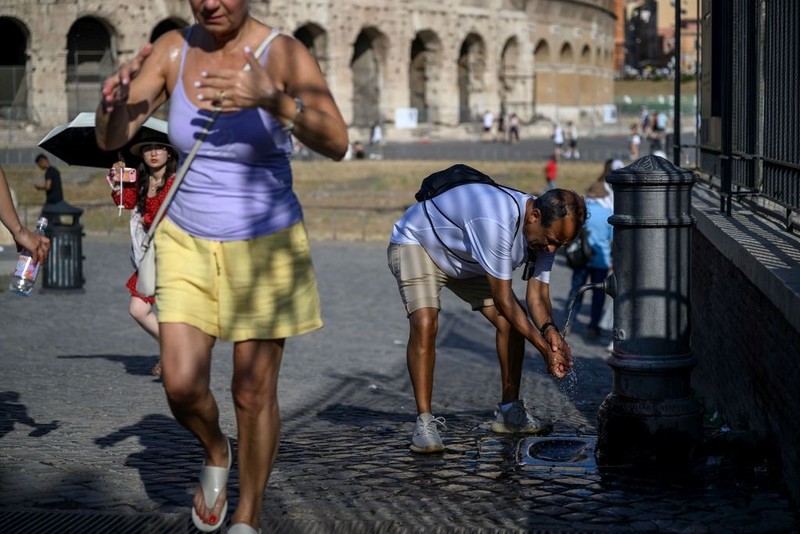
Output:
(556, 204)
(40, 157)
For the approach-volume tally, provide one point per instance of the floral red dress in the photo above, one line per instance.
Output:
(151, 206)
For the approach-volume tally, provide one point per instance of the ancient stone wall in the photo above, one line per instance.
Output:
(450, 59)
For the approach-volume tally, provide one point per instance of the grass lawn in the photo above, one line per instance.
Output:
(351, 200)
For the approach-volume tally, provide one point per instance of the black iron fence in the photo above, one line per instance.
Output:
(749, 135)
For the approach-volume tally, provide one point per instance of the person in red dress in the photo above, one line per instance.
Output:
(154, 179)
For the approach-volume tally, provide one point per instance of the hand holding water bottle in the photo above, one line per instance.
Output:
(37, 245)
(33, 249)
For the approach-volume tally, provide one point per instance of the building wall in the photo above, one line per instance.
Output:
(746, 327)
(498, 27)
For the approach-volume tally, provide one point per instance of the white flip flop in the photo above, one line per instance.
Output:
(213, 480)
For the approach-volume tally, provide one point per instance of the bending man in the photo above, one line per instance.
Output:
(470, 239)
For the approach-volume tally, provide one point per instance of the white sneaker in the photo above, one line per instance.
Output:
(518, 420)
(426, 437)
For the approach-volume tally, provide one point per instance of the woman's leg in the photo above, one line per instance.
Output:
(142, 312)
(186, 363)
(256, 365)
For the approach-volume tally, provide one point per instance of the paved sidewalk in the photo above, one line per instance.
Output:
(87, 442)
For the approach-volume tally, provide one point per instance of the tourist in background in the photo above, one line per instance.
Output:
(154, 180)
(600, 236)
(52, 187)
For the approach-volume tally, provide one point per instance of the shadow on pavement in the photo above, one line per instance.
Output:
(12, 412)
(136, 365)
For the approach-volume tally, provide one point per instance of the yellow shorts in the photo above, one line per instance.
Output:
(261, 288)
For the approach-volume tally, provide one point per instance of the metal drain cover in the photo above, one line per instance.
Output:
(557, 451)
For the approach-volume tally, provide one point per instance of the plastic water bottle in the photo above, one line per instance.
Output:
(24, 276)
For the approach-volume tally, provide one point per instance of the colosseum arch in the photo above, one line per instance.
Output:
(369, 56)
(315, 38)
(14, 70)
(424, 75)
(164, 26)
(544, 79)
(586, 56)
(91, 56)
(587, 88)
(567, 90)
(541, 53)
(512, 82)
(471, 72)
(566, 56)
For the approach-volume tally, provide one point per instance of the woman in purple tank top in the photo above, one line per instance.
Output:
(233, 259)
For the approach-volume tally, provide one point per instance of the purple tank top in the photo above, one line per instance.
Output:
(239, 185)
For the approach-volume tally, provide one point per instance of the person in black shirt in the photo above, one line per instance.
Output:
(52, 181)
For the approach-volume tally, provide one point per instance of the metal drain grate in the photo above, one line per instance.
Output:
(93, 523)
(558, 452)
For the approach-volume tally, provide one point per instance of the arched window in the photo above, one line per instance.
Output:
(471, 70)
(13, 70)
(315, 39)
(367, 76)
(423, 74)
(90, 58)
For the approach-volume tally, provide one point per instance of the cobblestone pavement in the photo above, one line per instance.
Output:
(87, 442)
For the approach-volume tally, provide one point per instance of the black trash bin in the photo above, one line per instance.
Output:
(64, 266)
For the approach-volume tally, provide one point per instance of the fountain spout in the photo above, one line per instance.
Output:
(609, 285)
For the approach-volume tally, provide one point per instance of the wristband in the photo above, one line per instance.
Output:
(289, 128)
(545, 326)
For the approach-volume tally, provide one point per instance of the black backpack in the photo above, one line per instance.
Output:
(441, 181)
(444, 180)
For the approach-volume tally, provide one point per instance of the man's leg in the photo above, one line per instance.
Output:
(255, 395)
(420, 282)
(421, 355)
(510, 352)
(513, 416)
(186, 366)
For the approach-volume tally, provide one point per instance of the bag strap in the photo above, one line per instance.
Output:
(195, 149)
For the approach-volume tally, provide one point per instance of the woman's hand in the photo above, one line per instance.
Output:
(235, 89)
(116, 170)
(115, 88)
(37, 244)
